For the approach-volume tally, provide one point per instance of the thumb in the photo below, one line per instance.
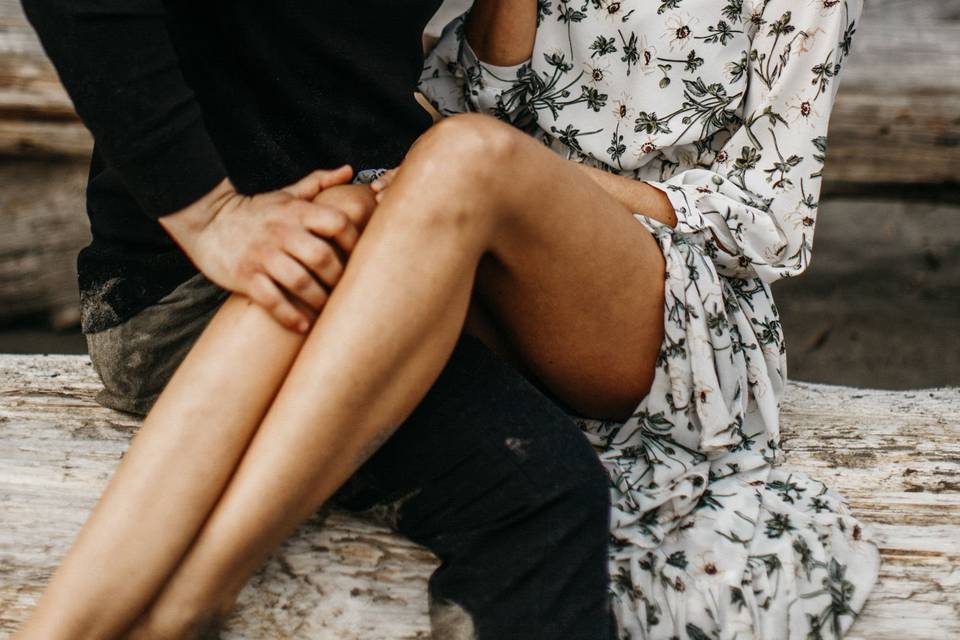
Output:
(313, 183)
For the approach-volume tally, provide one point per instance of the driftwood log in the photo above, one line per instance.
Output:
(894, 455)
(43, 226)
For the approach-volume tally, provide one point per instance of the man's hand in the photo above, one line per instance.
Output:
(357, 201)
(276, 248)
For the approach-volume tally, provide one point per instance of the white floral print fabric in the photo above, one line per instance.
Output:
(722, 104)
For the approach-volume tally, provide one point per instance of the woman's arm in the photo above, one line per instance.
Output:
(502, 32)
(759, 198)
(636, 195)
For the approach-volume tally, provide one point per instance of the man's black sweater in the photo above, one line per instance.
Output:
(180, 94)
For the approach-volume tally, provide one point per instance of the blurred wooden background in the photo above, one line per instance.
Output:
(894, 151)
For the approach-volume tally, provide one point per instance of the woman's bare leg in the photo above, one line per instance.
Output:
(578, 282)
(176, 468)
(170, 477)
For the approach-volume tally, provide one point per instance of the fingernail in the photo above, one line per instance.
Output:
(302, 326)
(377, 184)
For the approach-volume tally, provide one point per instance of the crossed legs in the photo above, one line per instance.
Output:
(575, 280)
(477, 208)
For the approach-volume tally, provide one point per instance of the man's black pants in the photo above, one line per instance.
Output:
(487, 472)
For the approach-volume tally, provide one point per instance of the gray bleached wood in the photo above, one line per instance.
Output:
(43, 227)
(894, 455)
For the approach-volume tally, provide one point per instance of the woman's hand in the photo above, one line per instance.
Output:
(379, 186)
(636, 195)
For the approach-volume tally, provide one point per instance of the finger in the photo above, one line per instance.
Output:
(358, 211)
(296, 279)
(332, 223)
(340, 175)
(317, 255)
(302, 307)
(263, 291)
(383, 181)
(315, 182)
(355, 201)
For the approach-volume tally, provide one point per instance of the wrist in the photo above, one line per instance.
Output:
(195, 217)
(596, 173)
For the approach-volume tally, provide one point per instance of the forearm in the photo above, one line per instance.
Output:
(502, 32)
(636, 195)
(184, 225)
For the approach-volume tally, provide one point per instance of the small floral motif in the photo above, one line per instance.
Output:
(827, 7)
(679, 31)
(723, 106)
(597, 73)
(802, 111)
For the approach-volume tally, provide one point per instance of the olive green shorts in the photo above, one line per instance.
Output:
(137, 358)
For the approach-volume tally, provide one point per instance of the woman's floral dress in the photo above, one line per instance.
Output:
(723, 104)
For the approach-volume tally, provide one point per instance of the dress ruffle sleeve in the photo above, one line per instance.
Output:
(455, 80)
(759, 198)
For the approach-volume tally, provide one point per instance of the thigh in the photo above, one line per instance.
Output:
(498, 482)
(576, 284)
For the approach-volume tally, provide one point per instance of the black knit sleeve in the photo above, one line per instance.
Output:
(119, 66)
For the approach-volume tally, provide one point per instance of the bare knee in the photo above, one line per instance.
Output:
(457, 173)
(470, 153)
(471, 141)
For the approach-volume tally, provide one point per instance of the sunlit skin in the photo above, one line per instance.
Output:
(481, 229)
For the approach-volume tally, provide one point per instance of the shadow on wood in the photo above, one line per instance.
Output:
(894, 455)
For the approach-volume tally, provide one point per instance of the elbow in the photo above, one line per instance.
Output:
(32, 10)
(37, 8)
(45, 15)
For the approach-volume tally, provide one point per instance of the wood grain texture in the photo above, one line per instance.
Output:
(897, 115)
(894, 455)
(36, 116)
(44, 226)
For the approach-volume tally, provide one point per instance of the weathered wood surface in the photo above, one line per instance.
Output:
(897, 119)
(44, 225)
(897, 116)
(36, 116)
(895, 455)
